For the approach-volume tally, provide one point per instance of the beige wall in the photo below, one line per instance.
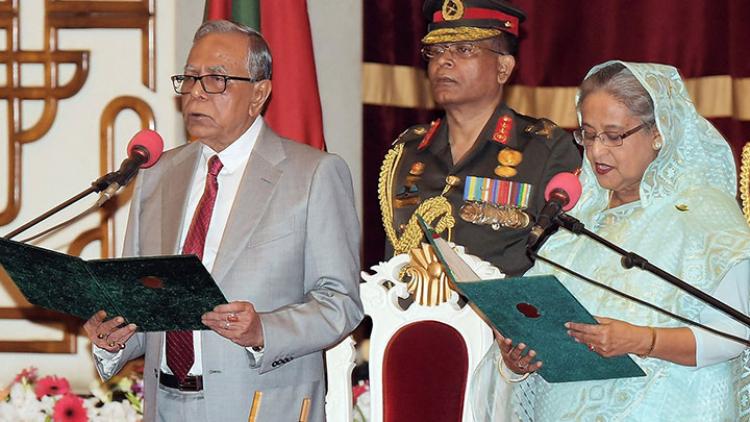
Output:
(66, 159)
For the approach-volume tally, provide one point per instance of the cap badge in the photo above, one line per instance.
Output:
(453, 10)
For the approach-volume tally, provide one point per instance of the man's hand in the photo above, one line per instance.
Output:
(236, 321)
(109, 335)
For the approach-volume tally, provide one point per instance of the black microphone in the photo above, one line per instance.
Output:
(562, 193)
(144, 150)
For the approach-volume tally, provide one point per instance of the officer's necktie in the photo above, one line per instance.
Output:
(180, 353)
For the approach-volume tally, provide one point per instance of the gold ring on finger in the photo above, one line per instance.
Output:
(111, 344)
(100, 336)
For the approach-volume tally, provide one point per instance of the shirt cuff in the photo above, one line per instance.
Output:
(106, 361)
(256, 354)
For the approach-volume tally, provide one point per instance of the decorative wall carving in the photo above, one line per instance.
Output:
(63, 14)
(59, 14)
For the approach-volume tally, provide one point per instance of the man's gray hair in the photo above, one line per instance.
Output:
(259, 62)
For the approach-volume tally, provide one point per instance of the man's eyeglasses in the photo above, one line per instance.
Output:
(608, 138)
(464, 50)
(212, 84)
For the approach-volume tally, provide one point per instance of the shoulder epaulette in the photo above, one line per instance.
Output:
(411, 134)
(542, 127)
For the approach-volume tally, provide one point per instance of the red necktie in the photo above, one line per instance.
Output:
(180, 353)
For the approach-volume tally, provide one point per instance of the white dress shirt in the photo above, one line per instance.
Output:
(234, 158)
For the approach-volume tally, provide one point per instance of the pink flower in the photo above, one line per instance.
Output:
(137, 388)
(360, 389)
(29, 373)
(51, 386)
(69, 409)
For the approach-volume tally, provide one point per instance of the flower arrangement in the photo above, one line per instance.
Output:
(30, 398)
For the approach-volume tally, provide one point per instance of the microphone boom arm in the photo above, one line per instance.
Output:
(630, 260)
(612, 290)
(52, 212)
(97, 185)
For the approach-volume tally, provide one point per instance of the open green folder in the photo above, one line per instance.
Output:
(155, 293)
(532, 310)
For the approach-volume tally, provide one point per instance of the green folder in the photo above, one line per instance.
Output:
(155, 293)
(533, 310)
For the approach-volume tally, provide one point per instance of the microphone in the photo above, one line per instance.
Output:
(562, 193)
(144, 150)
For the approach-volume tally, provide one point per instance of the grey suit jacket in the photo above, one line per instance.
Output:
(290, 247)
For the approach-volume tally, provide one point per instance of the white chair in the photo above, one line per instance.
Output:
(424, 346)
(339, 365)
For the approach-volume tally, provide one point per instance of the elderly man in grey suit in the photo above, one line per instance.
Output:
(274, 223)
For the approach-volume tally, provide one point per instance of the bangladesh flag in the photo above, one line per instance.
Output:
(294, 111)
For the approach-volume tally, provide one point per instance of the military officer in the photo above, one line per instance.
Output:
(479, 172)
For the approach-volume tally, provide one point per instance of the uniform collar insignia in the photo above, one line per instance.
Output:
(430, 135)
(502, 129)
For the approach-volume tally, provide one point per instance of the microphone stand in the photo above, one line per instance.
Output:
(97, 185)
(630, 260)
(612, 290)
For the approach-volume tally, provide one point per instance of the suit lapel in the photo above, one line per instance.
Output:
(176, 192)
(253, 196)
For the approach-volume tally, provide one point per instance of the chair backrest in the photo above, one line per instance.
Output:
(425, 370)
(424, 345)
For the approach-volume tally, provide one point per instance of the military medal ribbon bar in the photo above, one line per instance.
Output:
(499, 192)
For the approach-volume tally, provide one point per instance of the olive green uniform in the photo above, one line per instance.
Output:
(417, 168)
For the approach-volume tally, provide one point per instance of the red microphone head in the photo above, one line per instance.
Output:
(566, 184)
(149, 141)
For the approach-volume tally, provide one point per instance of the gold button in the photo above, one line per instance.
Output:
(504, 171)
(509, 157)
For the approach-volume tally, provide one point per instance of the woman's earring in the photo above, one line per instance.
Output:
(656, 145)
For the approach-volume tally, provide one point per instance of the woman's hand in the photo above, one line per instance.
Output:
(515, 358)
(611, 337)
